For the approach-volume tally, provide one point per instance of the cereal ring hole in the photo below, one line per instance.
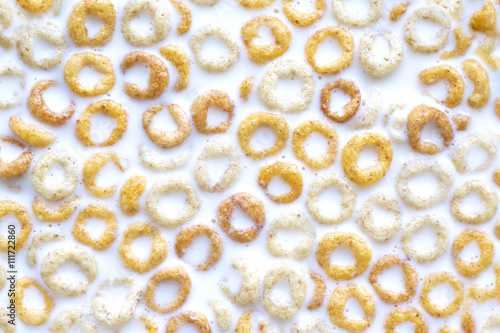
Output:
(10, 151)
(329, 201)
(392, 279)
(6, 220)
(442, 295)
(342, 256)
(43, 49)
(431, 133)
(316, 145)
(470, 252)
(94, 227)
(328, 50)
(33, 299)
(240, 220)
(263, 138)
(423, 183)
(281, 292)
(289, 87)
(381, 47)
(353, 309)
(217, 167)
(70, 271)
(289, 238)
(101, 127)
(173, 202)
(367, 157)
(476, 157)
(427, 31)
(141, 247)
(304, 5)
(56, 98)
(278, 186)
(201, 244)
(264, 36)
(114, 296)
(382, 216)
(94, 24)
(142, 22)
(216, 116)
(214, 48)
(139, 74)
(472, 204)
(425, 239)
(165, 293)
(89, 77)
(163, 121)
(55, 175)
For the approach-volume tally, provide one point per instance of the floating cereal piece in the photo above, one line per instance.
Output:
(158, 13)
(200, 107)
(167, 139)
(185, 13)
(33, 135)
(350, 108)
(245, 88)
(18, 166)
(35, 6)
(435, 15)
(175, 273)
(101, 64)
(45, 213)
(485, 20)
(49, 235)
(108, 235)
(346, 43)
(456, 85)
(15, 99)
(398, 11)
(289, 173)
(156, 161)
(459, 154)
(91, 170)
(186, 236)
(7, 244)
(30, 316)
(130, 194)
(301, 18)
(249, 289)
(222, 314)
(179, 58)
(302, 133)
(219, 64)
(69, 318)
(403, 315)
(463, 43)
(471, 269)
(376, 65)
(461, 121)
(434, 280)
(196, 319)
(478, 75)
(103, 9)
(41, 111)
(489, 200)
(348, 18)
(414, 226)
(380, 232)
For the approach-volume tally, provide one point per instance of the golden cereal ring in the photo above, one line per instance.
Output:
(456, 85)
(348, 18)
(255, 4)
(175, 273)
(156, 161)
(301, 18)
(33, 135)
(467, 321)
(350, 108)
(158, 75)
(185, 13)
(463, 43)
(350, 156)
(200, 107)
(479, 76)
(430, 283)
(268, 90)
(108, 235)
(245, 88)
(244, 324)
(159, 14)
(380, 66)
(346, 43)
(222, 314)
(251, 123)
(377, 231)
(149, 324)
(216, 64)
(359, 247)
(439, 226)
(470, 269)
(459, 154)
(91, 170)
(17, 167)
(103, 9)
(100, 63)
(483, 294)
(107, 107)
(289, 173)
(488, 197)
(167, 139)
(45, 213)
(484, 20)
(311, 325)
(11, 207)
(41, 111)
(337, 304)
(30, 316)
(249, 289)
(186, 236)
(302, 133)
(196, 319)
(461, 121)
(398, 10)
(403, 315)
(5, 42)
(158, 252)
(261, 54)
(50, 190)
(485, 52)
(68, 319)
(49, 235)
(130, 194)
(179, 58)
(319, 291)
(15, 99)
(64, 285)
(35, 6)
(435, 15)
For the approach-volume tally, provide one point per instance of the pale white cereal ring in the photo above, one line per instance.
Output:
(380, 66)
(49, 235)
(462, 148)
(155, 161)
(396, 121)
(249, 289)
(4, 322)
(371, 109)
(488, 197)
(158, 13)
(435, 15)
(350, 19)
(5, 21)
(220, 64)
(15, 99)
(311, 325)
(222, 314)
(452, 7)
(378, 232)
(70, 318)
(492, 323)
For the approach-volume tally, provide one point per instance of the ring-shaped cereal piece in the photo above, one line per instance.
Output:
(222, 314)
(100, 63)
(103, 9)
(62, 189)
(41, 111)
(302, 133)
(18, 166)
(482, 294)
(35, 6)
(414, 226)
(218, 64)
(346, 43)
(130, 194)
(249, 289)
(478, 139)
(202, 104)
(45, 213)
(11, 207)
(67, 319)
(185, 13)
(319, 290)
(109, 108)
(377, 231)
(350, 108)
(167, 139)
(435, 15)
(376, 65)
(350, 156)
(456, 85)
(434, 280)
(403, 315)
(32, 134)
(463, 43)
(348, 18)
(479, 76)
(64, 285)
(311, 325)
(15, 99)
(256, 120)
(49, 235)
(186, 236)
(301, 18)
(255, 4)
(175, 273)
(179, 58)
(196, 319)
(410, 279)
(31, 316)
(91, 170)
(261, 54)
(158, 162)
(5, 42)
(470, 269)
(158, 252)
(159, 14)
(488, 197)
(108, 235)
(359, 247)
(289, 172)
(268, 90)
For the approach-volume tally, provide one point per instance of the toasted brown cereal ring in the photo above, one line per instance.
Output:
(296, 279)
(403, 315)
(196, 319)
(41, 111)
(11, 207)
(310, 325)
(33, 135)
(17, 167)
(179, 58)
(348, 18)
(398, 11)
(100, 63)
(485, 52)
(159, 15)
(244, 324)
(222, 314)
(319, 291)
(377, 231)
(64, 285)
(185, 13)
(175, 273)
(470, 269)
(350, 108)
(108, 235)
(249, 289)
(35, 6)
(414, 226)
(107, 107)
(45, 213)
(251, 123)
(103, 9)
(359, 247)
(456, 85)
(167, 139)
(130, 194)
(200, 108)
(434, 280)
(70, 318)
(289, 173)
(158, 253)
(261, 54)
(376, 65)
(479, 76)
(5, 42)
(435, 15)
(483, 294)
(49, 235)
(459, 154)
(150, 324)
(346, 205)
(245, 88)
(31, 316)
(337, 304)
(156, 161)
(484, 20)
(488, 197)
(91, 170)
(461, 121)
(15, 99)
(186, 236)
(268, 87)
(218, 64)
(255, 4)
(463, 43)
(302, 133)
(301, 18)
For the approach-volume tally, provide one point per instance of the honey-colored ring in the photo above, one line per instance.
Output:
(41, 111)
(301, 18)
(300, 135)
(21, 213)
(91, 169)
(289, 172)
(402, 315)
(456, 85)
(103, 9)
(108, 235)
(487, 250)
(101, 64)
(479, 76)
(185, 13)
(432, 281)
(32, 317)
(130, 194)
(35, 6)
(350, 108)
(179, 58)
(175, 273)
(45, 213)
(203, 102)
(167, 139)
(186, 236)
(17, 167)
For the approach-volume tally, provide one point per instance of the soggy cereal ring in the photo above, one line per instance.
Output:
(256, 120)
(45, 213)
(186, 236)
(41, 111)
(130, 194)
(435, 15)
(380, 232)
(479, 76)
(350, 108)
(434, 280)
(179, 58)
(175, 273)
(200, 108)
(109, 233)
(463, 43)
(261, 54)
(483, 294)
(289, 173)
(33, 135)
(35, 6)
(246, 88)
(403, 315)
(456, 85)
(222, 314)
(301, 18)
(319, 291)
(67, 319)
(62, 189)
(414, 226)
(137, 37)
(91, 170)
(348, 18)
(488, 197)
(249, 289)
(398, 10)
(64, 285)
(359, 247)
(185, 14)
(49, 235)
(484, 20)
(15, 99)
(167, 139)
(5, 42)
(100, 63)
(485, 51)
(376, 65)
(196, 319)
(219, 64)
(311, 325)
(268, 87)
(459, 154)
(103, 9)
(470, 269)
(302, 133)
(18, 166)
(32, 316)
(346, 43)
(11, 207)
(156, 161)
(4, 318)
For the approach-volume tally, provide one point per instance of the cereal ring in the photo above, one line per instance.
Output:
(35, 7)
(41, 111)
(91, 170)
(346, 43)
(44, 237)
(179, 58)
(350, 156)
(255, 4)
(461, 121)
(100, 63)
(350, 108)
(268, 87)
(485, 52)
(69, 318)
(311, 325)
(319, 291)
(31, 316)
(244, 324)
(479, 76)
(249, 289)
(456, 85)
(156, 161)
(33, 135)
(202, 104)
(11, 207)
(103, 9)
(158, 75)
(64, 285)
(380, 66)
(380, 232)
(175, 273)
(158, 252)
(4, 318)
(167, 139)
(470, 269)
(359, 247)
(17, 167)
(150, 324)
(3, 280)
(459, 154)
(216, 64)
(107, 107)
(196, 319)
(261, 54)
(15, 99)
(159, 14)
(245, 88)
(45, 213)
(348, 18)
(435, 15)
(488, 197)
(50, 190)
(289, 173)
(109, 233)
(222, 314)
(463, 43)
(130, 194)
(186, 236)
(251, 123)
(483, 294)
(484, 20)
(430, 283)
(301, 18)
(454, 8)
(414, 226)
(5, 42)
(302, 133)
(403, 315)
(185, 13)
(398, 11)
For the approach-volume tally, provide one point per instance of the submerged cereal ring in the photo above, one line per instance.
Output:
(179, 58)
(91, 170)
(222, 314)
(15, 99)
(185, 13)
(456, 85)
(483, 294)
(156, 161)
(219, 64)
(376, 231)
(103, 9)
(488, 197)
(319, 291)
(33, 135)
(200, 107)
(301, 18)
(18, 166)
(167, 139)
(41, 111)
(11, 207)
(380, 66)
(158, 13)
(479, 76)
(186, 236)
(30, 316)
(459, 154)
(414, 226)
(196, 319)
(435, 15)
(108, 235)
(289, 173)
(432, 281)
(35, 6)
(403, 315)
(49, 235)
(101, 64)
(69, 318)
(470, 269)
(463, 43)
(249, 289)
(177, 274)
(348, 18)
(350, 108)
(45, 213)
(302, 133)
(130, 194)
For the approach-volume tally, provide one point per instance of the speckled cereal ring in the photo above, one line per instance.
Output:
(175, 273)
(103, 9)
